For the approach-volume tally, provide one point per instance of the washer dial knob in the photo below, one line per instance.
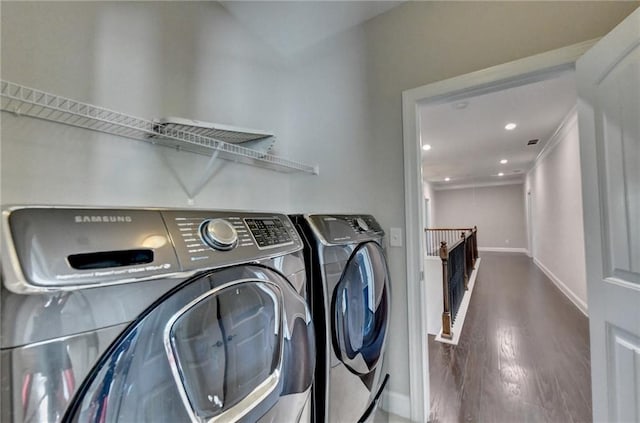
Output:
(219, 234)
(362, 224)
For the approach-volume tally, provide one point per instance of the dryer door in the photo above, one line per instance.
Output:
(233, 345)
(360, 309)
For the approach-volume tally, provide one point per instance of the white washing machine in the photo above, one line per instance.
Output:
(349, 294)
(137, 315)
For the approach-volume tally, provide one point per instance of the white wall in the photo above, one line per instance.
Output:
(430, 194)
(556, 190)
(497, 211)
(190, 59)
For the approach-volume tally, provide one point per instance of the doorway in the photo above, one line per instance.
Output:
(514, 74)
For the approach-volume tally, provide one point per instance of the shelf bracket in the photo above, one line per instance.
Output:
(208, 172)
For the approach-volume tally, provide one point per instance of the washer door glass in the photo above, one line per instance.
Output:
(225, 349)
(225, 346)
(360, 309)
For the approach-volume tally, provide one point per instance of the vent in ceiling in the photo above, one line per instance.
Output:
(532, 142)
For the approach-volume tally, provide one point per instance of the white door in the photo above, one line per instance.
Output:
(609, 118)
(530, 229)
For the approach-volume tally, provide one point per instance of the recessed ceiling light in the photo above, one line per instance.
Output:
(426, 147)
(503, 161)
(500, 174)
(510, 126)
(447, 179)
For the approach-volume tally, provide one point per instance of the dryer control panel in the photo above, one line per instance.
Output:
(344, 228)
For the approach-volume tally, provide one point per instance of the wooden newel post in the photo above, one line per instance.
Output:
(465, 258)
(446, 313)
(475, 244)
(472, 250)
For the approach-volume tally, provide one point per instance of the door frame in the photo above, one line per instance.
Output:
(530, 229)
(427, 212)
(508, 75)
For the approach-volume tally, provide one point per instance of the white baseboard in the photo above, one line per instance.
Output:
(503, 250)
(396, 403)
(582, 306)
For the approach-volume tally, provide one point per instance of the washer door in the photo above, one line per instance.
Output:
(360, 309)
(220, 347)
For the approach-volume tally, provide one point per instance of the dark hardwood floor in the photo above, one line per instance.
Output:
(523, 354)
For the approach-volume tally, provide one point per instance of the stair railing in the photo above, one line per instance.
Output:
(458, 261)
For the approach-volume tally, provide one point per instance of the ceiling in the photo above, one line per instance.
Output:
(291, 26)
(468, 137)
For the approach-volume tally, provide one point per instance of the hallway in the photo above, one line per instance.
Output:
(523, 355)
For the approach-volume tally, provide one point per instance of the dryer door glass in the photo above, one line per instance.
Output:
(360, 309)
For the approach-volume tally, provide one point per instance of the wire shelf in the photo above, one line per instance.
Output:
(26, 101)
(226, 133)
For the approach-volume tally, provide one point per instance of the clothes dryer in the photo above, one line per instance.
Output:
(136, 315)
(349, 293)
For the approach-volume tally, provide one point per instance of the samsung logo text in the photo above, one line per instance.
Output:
(103, 219)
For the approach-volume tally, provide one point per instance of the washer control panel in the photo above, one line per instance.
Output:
(74, 248)
(219, 234)
(270, 232)
(58, 248)
(210, 239)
